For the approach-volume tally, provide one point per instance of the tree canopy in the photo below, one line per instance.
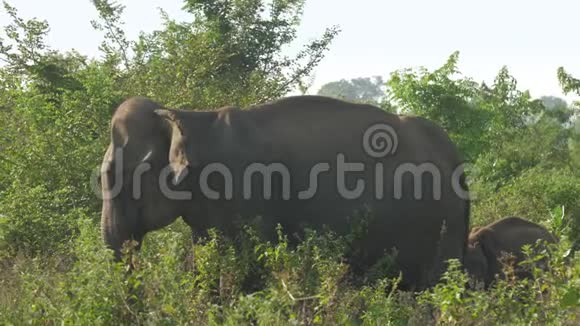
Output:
(362, 90)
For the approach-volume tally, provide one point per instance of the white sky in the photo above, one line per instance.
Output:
(533, 38)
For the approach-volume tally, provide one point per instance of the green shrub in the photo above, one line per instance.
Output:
(306, 284)
(534, 195)
(37, 220)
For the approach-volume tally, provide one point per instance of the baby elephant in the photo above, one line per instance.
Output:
(488, 244)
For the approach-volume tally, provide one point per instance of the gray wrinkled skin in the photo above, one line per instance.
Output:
(488, 245)
(298, 132)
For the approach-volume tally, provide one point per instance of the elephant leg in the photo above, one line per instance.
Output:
(450, 246)
(196, 235)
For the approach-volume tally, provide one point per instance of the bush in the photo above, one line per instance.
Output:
(534, 195)
(303, 285)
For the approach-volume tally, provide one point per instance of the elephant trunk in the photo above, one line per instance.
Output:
(112, 228)
(119, 225)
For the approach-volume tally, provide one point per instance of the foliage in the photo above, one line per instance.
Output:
(568, 82)
(362, 90)
(545, 299)
(477, 117)
(307, 284)
(438, 97)
(230, 54)
(533, 194)
(55, 109)
(523, 152)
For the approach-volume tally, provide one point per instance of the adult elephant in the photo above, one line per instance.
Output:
(299, 161)
(489, 244)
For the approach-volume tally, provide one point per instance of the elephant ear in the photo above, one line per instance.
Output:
(179, 158)
(475, 229)
(488, 243)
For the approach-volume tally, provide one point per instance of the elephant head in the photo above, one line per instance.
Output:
(135, 174)
(476, 263)
(500, 243)
(149, 172)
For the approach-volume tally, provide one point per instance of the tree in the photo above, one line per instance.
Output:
(553, 102)
(231, 54)
(56, 107)
(501, 129)
(572, 85)
(442, 97)
(568, 83)
(557, 108)
(363, 90)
